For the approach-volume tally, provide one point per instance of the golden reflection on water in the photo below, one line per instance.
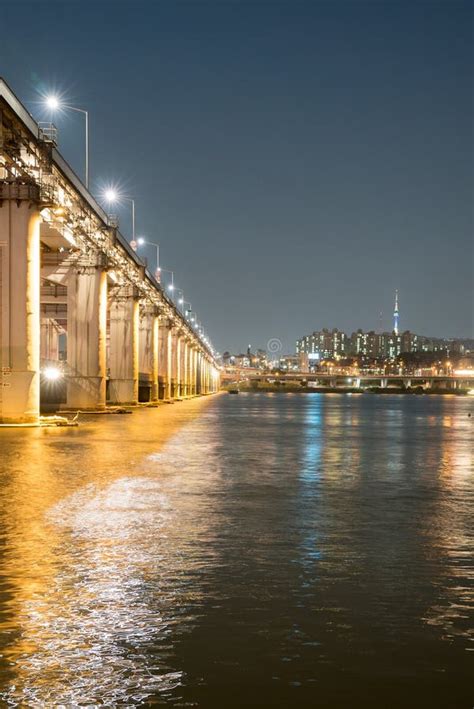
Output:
(83, 533)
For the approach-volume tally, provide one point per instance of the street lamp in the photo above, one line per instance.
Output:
(54, 104)
(170, 285)
(142, 242)
(113, 197)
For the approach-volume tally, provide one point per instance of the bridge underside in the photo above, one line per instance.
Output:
(64, 310)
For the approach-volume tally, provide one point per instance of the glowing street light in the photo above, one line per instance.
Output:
(141, 241)
(113, 197)
(170, 286)
(54, 103)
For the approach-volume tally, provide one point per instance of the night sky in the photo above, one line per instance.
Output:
(296, 161)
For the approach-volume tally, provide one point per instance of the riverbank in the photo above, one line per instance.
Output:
(284, 388)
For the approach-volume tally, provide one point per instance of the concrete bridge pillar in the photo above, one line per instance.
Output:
(86, 337)
(169, 364)
(203, 374)
(195, 372)
(182, 365)
(407, 383)
(185, 367)
(190, 369)
(191, 380)
(124, 346)
(177, 341)
(383, 383)
(198, 373)
(20, 305)
(164, 359)
(149, 346)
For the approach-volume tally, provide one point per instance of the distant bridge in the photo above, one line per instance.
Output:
(66, 271)
(358, 380)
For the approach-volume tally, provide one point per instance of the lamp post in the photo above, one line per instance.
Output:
(170, 285)
(55, 104)
(181, 300)
(188, 309)
(141, 241)
(113, 197)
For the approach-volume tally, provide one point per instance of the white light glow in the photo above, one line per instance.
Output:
(53, 103)
(111, 195)
(141, 241)
(52, 374)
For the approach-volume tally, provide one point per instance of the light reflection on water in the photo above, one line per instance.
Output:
(241, 551)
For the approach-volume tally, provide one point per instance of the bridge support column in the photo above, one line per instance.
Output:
(185, 368)
(148, 348)
(175, 347)
(164, 360)
(20, 305)
(86, 338)
(204, 375)
(383, 383)
(180, 365)
(193, 371)
(124, 344)
(198, 373)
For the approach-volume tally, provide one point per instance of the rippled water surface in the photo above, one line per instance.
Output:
(257, 550)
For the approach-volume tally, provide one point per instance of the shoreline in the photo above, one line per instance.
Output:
(418, 391)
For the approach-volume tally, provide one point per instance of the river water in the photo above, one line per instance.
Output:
(260, 550)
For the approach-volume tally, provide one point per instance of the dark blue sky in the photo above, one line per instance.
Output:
(297, 161)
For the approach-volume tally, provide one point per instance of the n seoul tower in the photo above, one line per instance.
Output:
(396, 314)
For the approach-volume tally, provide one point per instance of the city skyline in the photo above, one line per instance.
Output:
(286, 209)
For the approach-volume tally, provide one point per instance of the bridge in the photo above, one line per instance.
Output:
(67, 273)
(353, 380)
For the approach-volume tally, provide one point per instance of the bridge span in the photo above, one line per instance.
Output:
(353, 380)
(67, 272)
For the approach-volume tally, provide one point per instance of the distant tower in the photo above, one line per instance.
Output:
(396, 314)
